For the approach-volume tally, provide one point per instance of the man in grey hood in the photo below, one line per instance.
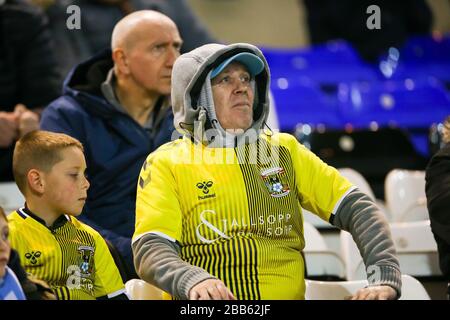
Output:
(219, 212)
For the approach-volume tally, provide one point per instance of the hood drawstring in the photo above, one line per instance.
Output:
(199, 128)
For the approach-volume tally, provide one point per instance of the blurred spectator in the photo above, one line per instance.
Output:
(437, 189)
(117, 104)
(29, 76)
(14, 281)
(10, 288)
(346, 19)
(98, 18)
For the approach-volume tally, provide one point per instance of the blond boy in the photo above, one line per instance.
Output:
(49, 169)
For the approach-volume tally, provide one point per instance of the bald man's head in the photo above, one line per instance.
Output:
(145, 45)
(134, 27)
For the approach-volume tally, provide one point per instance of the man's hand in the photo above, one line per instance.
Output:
(27, 120)
(8, 129)
(375, 293)
(210, 289)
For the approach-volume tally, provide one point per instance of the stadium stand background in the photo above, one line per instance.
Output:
(274, 22)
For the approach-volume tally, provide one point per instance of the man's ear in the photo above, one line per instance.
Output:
(120, 61)
(36, 181)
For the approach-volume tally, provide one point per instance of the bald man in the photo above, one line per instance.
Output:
(117, 105)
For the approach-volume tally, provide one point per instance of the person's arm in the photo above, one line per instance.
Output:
(437, 177)
(9, 130)
(157, 261)
(359, 215)
(325, 192)
(437, 180)
(108, 282)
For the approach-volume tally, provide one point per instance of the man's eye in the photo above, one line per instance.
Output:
(245, 79)
(177, 47)
(5, 235)
(159, 48)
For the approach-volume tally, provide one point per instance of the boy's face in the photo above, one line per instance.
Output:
(66, 184)
(4, 246)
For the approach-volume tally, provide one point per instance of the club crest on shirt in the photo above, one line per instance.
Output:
(86, 264)
(276, 182)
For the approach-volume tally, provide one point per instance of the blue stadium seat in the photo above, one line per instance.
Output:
(298, 58)
(408, 104)
(426, 49)
(329, 63)
(419, 58)
(300, 101)
(416, 71)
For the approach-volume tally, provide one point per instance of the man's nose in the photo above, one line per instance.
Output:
(172, 55)
(240, 86)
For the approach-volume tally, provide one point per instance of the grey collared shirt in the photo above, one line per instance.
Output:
(107, 88)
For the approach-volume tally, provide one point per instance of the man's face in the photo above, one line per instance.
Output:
(152, 55)
(5, 247)
(233, 97)
(66, 185)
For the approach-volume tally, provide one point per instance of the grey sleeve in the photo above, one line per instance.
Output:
(359, 215)
(157, 261)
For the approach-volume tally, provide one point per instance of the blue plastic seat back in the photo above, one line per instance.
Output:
(419, 58)
(299, 58)
(332, 62)
(300, 101)
(426, 49)
(409, 104)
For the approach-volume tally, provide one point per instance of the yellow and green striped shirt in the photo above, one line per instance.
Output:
(70, 256)
(237, 213)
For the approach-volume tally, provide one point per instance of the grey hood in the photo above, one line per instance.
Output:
(192, 102)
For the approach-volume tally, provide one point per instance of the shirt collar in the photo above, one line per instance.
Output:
(59, 222)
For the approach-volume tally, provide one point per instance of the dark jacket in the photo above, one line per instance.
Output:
(115, 147)
(29, 71)
(437, 189)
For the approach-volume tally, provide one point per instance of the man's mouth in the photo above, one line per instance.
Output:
(242, 104)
